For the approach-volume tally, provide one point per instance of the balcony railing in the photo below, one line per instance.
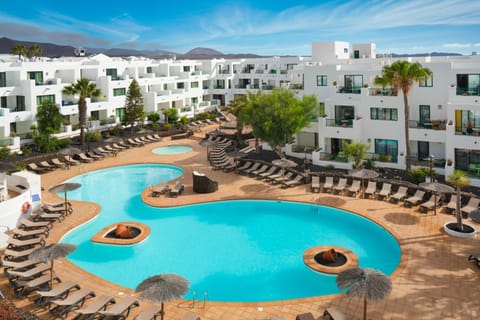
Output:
(382, 157)
(437, 163)
(468, 91)
(381, 92)
(344, 123)
(18, 109)
(339, 157)
(302, 148)
(267, 87)
(467, 131)
(354, 90)
(432, 124)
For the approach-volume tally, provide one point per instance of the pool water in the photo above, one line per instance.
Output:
(171, 150)
(240, 250)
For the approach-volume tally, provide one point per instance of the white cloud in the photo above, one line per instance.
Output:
(457, 45)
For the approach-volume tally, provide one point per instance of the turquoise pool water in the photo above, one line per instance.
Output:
(242, 250)
(173, 149)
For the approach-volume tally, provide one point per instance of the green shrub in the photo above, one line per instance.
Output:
(418, 175)
(167, 126)
(4, 153)
(156, 126)
(26, 151)
(63, 143)
(115, 131)
(20, 165)
(368, 164)
(154, 117)
(330, 166)
(95, 136)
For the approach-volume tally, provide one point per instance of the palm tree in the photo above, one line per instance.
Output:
(402, 75)
(460, 180)
(19, 49)
(235, 107)
(84, 88)
(34, 51)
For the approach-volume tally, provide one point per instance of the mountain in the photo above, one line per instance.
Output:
(204, 51)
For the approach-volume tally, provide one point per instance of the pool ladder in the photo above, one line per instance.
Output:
(194, 298)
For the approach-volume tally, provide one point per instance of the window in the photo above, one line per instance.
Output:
(353, 83)
(321, 109)
(386, 149)
(384, 114)
(186, 68)
(149, 70)
(120, 113)
(180, 85)
(194, 100)
(3, 79)
(41, 99)
(321, 81)
(3, 102)
(194, 85)
(426, 82)
(468, 84)
(119, 92)
(37, 76)
(21, 102)
(112, 72)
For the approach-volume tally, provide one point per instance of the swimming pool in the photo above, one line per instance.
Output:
(240, 250)
(173, 149)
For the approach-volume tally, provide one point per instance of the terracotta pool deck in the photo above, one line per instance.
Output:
(434, 279)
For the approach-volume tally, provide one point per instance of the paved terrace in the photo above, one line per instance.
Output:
(434, 279)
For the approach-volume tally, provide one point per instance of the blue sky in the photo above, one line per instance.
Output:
(265, 27)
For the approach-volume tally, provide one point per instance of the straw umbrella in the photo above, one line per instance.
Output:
(436, 187)
(364, 174)
(162, 288)
(236, 154)
(65, 187)
(5, 167)
(366, 284)
(50, 253)
(207, 143)
(284, 163)
(69, 151)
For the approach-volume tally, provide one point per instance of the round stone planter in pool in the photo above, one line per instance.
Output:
(451, 229)
(172, 150)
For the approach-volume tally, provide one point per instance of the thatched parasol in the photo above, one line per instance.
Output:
(65, 187)
(162, 288)
(364, 174)
(50, 253)
(436, 187)
(284, 163)
(366, 284)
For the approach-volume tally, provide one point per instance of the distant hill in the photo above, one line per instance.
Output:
(204, 51)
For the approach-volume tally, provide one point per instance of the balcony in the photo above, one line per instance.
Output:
(381, 92)
(342, 123)
(339, 157)
(298, 148)
(468, 91)
(351, 90)
(432, 124)
(382, 157)
(467, 131)
(437, 163)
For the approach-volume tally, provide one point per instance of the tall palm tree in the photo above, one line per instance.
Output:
(84, 88)
(19, 49)
(460, 180)
(402, 75)
(235, 107)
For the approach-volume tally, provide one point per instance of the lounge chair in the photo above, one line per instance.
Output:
(254, 167)
(244, 166)
(283, 177)
(305, 316)
(113, 150)
(385, 192)
(340, 186)
(429, 204)
(371, 189)
(18, 244)
(27, 234)
(70, 161)
(415, 199)
(57, 209)
(17, 275)
(83, 158)
(452, 204)
(262, 169)
(46, 165)
(315, 184)
(48, 216)
(27, 224)
(95, 156)
(61, 307)
(96, 304)
(57, 163)
(17, 265)
(59, 291)
(176, 190)
(120, 146)
(328, 185)
(149, 313)
(400, 195)
(267, 173)
(294, 182)
(105, 152)
(120, 309)
(354, 189)
(131, 142)
(471, 205)
(33, 167)
(225, 164)
(23, 288)
(12, 254)
(159, 189)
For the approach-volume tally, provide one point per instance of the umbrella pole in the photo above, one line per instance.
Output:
(161, 312)
(365, 308)
(66, 203)
(51, 275)
(435, 205)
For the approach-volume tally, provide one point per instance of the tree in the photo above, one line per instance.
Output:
(34, 51)
(134, 104)
(357, 151)
(84, 88)
(402, 75)
(171, 115)
(236, 107)
(19, 49)
(276, 117)
(49, 118)
(459, 179)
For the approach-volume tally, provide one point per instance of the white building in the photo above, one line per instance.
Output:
(444, 110)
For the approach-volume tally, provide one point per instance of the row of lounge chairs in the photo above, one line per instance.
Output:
(386, 193)
(270, 173)
(164, 188)
(199, 124)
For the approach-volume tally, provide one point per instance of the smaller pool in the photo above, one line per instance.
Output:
(174, 149)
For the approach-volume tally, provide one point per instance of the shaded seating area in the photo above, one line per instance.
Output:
(203, 184)
(415, 199)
